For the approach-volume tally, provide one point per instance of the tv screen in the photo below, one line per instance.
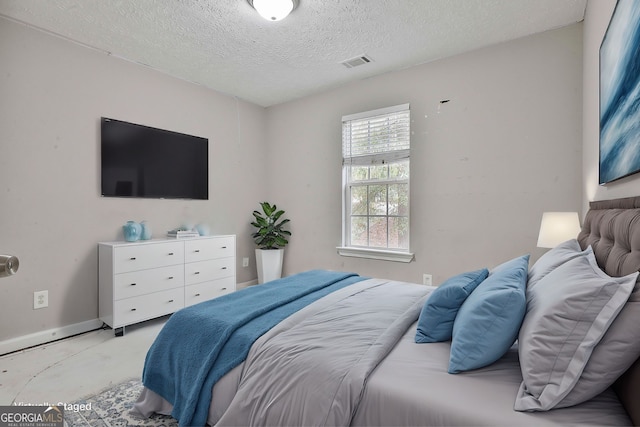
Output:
(141, 161)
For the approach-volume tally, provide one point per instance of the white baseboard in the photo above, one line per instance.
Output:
(247, 284)
(43, 337)
(37, 338)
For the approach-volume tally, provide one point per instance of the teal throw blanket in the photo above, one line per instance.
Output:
(201, 343)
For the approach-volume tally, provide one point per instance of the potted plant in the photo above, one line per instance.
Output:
(271, 239)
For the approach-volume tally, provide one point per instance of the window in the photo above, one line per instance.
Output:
(376, 157)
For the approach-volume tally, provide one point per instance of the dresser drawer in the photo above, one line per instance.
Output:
(203, 249)
(142, 280)
(203, 271)
(145, 307)
(194, 294)
(127, 285)
(141, 257)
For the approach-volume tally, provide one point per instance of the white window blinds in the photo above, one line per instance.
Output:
(376, 137)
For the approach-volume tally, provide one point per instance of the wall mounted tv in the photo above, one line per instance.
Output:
(141, 161)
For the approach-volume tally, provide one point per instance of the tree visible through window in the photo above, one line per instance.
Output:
(376, 152)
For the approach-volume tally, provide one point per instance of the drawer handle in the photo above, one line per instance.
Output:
(133, 309)
(170, 300)
(170, 277)
(170, 253)
(224, 268)
(223, 289)
(132, 258)
(197, 250)
(197, 295)
(197, 272)
(224, 247)
(133, 284)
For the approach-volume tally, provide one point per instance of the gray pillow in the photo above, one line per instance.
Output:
(554, 258)
(614, 354)
(568, 312)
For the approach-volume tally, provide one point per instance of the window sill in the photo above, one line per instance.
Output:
(375, 254)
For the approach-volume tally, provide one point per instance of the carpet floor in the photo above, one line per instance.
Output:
(112, 408)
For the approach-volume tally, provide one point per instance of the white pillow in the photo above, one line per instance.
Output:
(568, 312)
(554, 258)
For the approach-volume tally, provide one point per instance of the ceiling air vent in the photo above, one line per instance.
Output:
(358, 60)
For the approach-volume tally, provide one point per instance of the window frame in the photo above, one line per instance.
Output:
(388, 157)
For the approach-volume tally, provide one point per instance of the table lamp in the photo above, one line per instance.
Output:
(558, 227)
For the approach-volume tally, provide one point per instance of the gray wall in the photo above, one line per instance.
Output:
(484, 166)
(597, 17)
(52, 95)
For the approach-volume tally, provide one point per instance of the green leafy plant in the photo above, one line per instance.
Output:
(270, 234)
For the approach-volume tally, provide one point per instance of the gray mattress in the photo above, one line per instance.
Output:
(411, 386)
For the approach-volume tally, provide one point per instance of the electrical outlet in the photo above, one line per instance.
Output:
(40, 299)
(245, 262)
(427, 279)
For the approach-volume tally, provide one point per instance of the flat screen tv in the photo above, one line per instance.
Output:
(141, 161)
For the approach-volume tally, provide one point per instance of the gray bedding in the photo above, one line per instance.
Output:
(412, 387)
(311, 369)
(291, 376)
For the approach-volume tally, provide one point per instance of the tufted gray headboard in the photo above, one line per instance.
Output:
(612, 228)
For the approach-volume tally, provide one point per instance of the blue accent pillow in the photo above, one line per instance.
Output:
(439, 311)
(488, 322)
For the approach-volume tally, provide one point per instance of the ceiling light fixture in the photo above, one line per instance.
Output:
(273, 10)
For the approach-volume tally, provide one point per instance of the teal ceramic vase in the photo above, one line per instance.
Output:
(146, 231)
(132, 231)
(202, 229)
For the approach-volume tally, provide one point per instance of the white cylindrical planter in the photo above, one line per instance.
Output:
(269, 263)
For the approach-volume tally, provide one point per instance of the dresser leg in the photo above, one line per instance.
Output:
(119, 331)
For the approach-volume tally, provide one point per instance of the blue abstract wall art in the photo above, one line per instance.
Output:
(620, 93)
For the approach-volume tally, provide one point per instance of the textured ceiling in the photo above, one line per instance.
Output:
(225, 45)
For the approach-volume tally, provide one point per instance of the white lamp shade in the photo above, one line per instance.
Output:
(558, 227)
(273, 10)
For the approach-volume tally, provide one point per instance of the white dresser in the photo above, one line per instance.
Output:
(142, 280)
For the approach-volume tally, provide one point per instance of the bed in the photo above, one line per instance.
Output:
(332, 348)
